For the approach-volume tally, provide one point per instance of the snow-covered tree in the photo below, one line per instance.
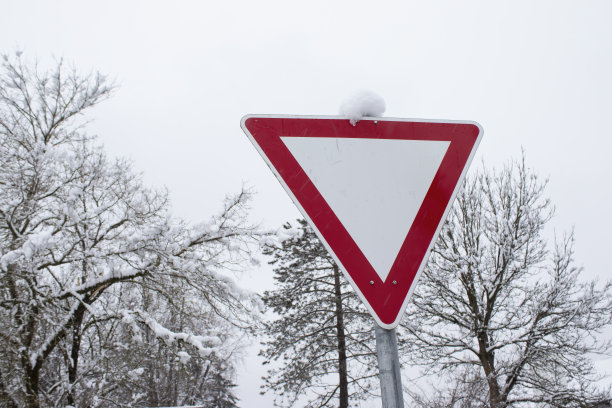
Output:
(321, 343)
(498, 310)
(97, 280)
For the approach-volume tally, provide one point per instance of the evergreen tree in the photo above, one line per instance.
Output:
(321, 343)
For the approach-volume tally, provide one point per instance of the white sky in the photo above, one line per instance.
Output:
(534, 74)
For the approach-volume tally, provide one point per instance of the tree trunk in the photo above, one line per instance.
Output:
(495, 399)
(31, 387)
(77, 336)
(31, 374)
(342, 371)
(488, 364)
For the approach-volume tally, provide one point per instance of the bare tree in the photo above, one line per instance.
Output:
(82, 243)
(493, 296)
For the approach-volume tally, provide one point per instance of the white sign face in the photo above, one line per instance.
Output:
(374, 186)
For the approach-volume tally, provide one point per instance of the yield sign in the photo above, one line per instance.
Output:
(375, 193)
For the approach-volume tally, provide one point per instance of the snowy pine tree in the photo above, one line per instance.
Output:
(321, 343)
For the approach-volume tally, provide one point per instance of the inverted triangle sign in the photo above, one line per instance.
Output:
(375, 193)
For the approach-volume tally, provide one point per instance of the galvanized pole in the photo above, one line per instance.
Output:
(389, 368)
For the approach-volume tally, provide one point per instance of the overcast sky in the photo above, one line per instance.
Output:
(536, 75)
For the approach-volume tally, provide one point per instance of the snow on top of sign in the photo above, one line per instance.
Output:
(362, 103)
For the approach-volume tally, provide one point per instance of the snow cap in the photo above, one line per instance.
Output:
(362, 103)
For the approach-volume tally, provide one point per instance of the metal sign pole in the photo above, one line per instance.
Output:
(389, 368)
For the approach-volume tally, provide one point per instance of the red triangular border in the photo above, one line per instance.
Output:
(385, 300)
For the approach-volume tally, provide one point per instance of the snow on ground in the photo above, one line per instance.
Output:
(362, 103)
